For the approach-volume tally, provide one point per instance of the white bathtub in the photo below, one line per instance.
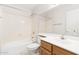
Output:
(15, 48)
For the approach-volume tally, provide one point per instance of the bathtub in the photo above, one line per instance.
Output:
(17, 47)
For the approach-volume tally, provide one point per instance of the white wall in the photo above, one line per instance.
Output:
(42, 24)
(56, 22)
(38, 25)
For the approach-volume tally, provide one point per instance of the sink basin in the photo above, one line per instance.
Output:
(64, 42)
(69, 42)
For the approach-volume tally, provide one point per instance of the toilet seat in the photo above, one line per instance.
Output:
(33, 46)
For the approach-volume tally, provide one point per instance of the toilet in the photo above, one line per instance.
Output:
(33, 47)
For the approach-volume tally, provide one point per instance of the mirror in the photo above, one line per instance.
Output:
(72, 21)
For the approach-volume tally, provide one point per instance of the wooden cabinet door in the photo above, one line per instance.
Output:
(60, 51)
(44, 51)
(46, 45)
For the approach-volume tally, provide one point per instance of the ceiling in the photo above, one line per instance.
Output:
(63, 7)
(33, 8)
(42, 9)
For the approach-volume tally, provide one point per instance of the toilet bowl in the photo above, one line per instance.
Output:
(33, 48)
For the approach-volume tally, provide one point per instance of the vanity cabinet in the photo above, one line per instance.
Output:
(45, 48)
(50, 49)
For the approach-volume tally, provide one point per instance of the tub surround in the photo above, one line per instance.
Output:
(69, 43)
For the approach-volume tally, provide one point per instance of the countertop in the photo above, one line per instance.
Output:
(69, 43)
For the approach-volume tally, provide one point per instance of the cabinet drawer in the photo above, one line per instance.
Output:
(61, 51)
(46, 45)
(44, 51)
